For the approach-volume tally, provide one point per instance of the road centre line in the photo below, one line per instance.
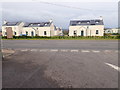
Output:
(85, 51)
(74, 50)
(54, 50)
(33, 50)
(24, 50)
(107, 51)
(95, 51)
(64, 50)
(43, 50)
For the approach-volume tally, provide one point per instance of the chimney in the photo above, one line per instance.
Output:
(101, 18)
(4, 22)
(51, 21)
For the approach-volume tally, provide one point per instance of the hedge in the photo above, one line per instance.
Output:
(65, 37)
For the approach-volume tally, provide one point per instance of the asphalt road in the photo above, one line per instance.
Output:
(61, 63)
(62, 44)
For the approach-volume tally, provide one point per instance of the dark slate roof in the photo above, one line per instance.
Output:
(86, 22)
(40, 24)
(12, 24)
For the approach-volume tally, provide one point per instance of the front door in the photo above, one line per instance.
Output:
(32, 33)
(82, 33)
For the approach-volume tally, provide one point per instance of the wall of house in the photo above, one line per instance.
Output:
(58, 32)
(37, 30)
(52, 30)
(88, 30)
(17, 29)
(14, 29)
(20, 28)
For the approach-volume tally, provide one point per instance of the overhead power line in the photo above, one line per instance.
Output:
(73, 7)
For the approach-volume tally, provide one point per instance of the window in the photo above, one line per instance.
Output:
(88, 22)
(79, 22)
(74, 32)
(97, 32)
(97, 22)
(26, 33)
(5, 33)
(45, 33)
(15, 33)
(46, 24)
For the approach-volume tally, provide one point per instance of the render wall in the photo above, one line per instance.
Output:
(14, 29)
(37, 30)
(88, 30)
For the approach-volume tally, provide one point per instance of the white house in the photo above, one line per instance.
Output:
(12, 28)
(86, 27)
(31, 29)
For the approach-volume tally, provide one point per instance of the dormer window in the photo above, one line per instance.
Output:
(79, 22)
(97, 22)
(88, 22)
(46, 24)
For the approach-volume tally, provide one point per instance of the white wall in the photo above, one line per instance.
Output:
(14, 29)
(17, 29)
(88, 30)
(37, 30)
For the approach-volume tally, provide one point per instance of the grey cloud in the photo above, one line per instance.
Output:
(61, 15)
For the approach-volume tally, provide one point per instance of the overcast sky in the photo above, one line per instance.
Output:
(60, 12)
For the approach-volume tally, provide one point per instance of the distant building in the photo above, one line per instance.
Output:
(58, 32)
(86, 27)
(112, 31)
(30, 29)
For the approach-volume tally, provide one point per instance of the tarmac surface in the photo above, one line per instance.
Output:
(61, 44)
(51, 64)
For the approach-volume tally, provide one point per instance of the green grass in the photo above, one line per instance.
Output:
(117, 37)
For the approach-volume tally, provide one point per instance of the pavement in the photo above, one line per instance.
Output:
(61, 64)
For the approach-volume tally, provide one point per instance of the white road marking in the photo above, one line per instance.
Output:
(85, 51)
(24, 50)
(113, 66)
(74, 50)
(33, 50)
(95, 51)
(54, 50)
(63, 50)
(43, 50)
(107, 51)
